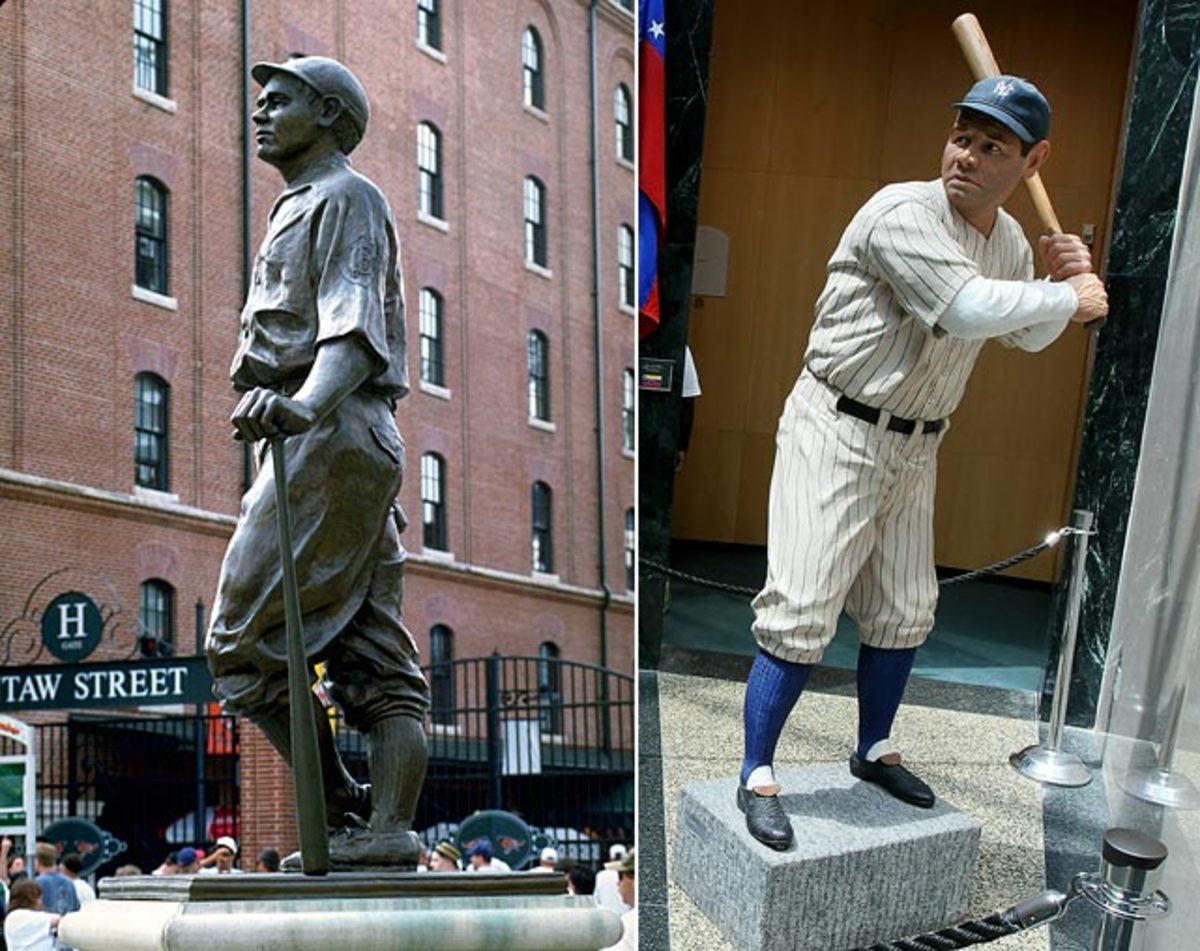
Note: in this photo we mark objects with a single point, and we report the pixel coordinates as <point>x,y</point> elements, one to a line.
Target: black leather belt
<point>897,424</point>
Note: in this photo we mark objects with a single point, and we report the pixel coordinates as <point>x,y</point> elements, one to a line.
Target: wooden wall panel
<point>813,107</point>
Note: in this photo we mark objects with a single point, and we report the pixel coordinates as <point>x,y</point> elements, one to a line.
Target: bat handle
<point>1041,202</point>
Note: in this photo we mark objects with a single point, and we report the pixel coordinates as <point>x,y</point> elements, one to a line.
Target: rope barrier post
<point>1049,763</point>
<point>1125,888</point>
<point>1161,783</point>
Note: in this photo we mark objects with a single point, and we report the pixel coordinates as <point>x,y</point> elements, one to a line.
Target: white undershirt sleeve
<point>986,308</point>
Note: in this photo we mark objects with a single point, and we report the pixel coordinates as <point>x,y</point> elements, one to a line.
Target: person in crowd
<point>483,858</point>
<point>581,880</point>
<point>626,869</point>
<point>268,861</point>
<point>127,871</point>
<point>72,868</point>
<point>189,861</point>
<point>27,925</point>
<point>220,860</point>
<point>58,893</point>
<point>445,857</point>
<point>547,861</point>
<point>608,894</point>
<point>169,865</point>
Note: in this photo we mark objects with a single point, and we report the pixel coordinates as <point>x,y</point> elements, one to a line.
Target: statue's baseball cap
<point>1015,103</point>
<point>328,77</point>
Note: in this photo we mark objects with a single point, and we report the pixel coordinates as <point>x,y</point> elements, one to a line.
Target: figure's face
<point>439,863</point>
<point>224,860</point>
<point>627,887</point>
<point>478,861</point>
<point>17,866</point>
<point>286,119</point>
<point>982,164</point>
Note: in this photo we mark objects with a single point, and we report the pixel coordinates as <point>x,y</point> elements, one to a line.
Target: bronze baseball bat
<point>306,756</point>
<point>983,64</point>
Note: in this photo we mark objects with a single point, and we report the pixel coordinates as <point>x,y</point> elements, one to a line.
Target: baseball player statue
<point>321,360</point>
<point>924,274</point>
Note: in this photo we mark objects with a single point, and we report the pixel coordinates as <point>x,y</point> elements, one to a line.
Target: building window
<point>628,411</point>
<point>538,359</point>
<point>429,23</point>
<point>535,222</point>
<point>531,62</point>
<point>543,535</point>
<point>156,635</point>
<point>433,500</point>
<point>625,265</point>
<point>150,265</point>
<point>441,675</point>
<point>430,305</point>
<point>623,117</point>
<point>550,688</point>
<point>150,414</point>
<point>150,46</point>
<point>429,162</point>
<point>630,550</point>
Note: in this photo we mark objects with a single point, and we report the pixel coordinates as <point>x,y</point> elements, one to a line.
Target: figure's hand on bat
<point>1092,297</point>
<point>264,414</point>
<point>1065,255</point>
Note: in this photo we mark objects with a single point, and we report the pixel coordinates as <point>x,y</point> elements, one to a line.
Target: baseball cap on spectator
<point>549,854</point>
<point>626,863</point>
<point>616,852</point>
<point>228,842</point>
<point>1015,103</point>
<point>187,855</point>
<point>483,847</point>
<point>448,850</point>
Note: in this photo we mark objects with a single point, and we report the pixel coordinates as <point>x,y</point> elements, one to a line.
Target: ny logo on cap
<point>1004,87</point>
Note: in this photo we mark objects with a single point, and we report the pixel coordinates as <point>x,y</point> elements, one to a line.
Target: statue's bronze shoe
<point>350,807</point>
<point>354,850</point>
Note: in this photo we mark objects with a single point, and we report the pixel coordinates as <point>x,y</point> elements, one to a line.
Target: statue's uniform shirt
<point>328,269</point>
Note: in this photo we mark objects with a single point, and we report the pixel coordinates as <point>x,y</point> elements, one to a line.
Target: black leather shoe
<point>895,779</point>
<point>765,819</point>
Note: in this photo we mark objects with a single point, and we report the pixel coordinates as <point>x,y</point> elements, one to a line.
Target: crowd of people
<point>31,905</point>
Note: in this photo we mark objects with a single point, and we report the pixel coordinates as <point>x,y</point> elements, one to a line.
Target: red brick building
<point>122,264</point>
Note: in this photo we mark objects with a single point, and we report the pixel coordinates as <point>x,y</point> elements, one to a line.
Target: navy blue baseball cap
<point>1015,103</point>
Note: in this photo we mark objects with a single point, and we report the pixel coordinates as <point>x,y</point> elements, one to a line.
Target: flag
<point>652,177</point>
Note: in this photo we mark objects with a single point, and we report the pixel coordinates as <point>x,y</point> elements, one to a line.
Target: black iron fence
<point>156,783</point>
<point>548,739</point>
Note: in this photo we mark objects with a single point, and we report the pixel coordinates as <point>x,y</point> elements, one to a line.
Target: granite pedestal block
<point>343,911</point>
<point>864,867</point>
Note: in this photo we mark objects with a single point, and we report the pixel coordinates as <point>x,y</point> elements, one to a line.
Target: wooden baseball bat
<point>983,64</point>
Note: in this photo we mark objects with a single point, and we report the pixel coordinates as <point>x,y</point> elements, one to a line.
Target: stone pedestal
<point>348,912</point>
<point>864,867</point>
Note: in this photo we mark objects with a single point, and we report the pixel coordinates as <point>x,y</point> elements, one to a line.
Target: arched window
<point>535,222</point>
<point>630,551</point>
<point>150,231</point>
<point>550,687</point>
<point>441,674</point>
<point>151,436</point>
<point>429,23</point>
<point>543,528</point>
<point>628,410</point>
<point>150,46</point>
<point>429,165</point>
<point>430,305</point>
<point>433,500</point>
<point>623,121</point>
<point>538,361</point>
<point>625,265</point>
<point>531,67</point>
<point>156,619</point>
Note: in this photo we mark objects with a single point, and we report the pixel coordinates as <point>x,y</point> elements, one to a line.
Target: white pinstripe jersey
<point>899,264</point>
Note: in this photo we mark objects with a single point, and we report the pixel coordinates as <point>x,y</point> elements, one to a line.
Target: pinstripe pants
<point>850,524</point>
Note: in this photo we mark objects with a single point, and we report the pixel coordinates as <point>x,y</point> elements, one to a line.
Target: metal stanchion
<point>1125,888</point>
<point>1049,763</point>
<point>1161,784</point>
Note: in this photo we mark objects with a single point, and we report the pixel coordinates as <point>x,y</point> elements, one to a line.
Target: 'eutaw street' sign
<point>134,683</point>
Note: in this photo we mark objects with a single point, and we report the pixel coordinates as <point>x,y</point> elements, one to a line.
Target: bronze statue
<point>321,361</point>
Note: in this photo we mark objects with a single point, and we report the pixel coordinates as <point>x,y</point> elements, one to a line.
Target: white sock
<point>760,776</point>
<point>882,748</point>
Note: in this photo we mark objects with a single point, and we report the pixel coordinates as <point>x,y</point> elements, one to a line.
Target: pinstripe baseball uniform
<point>850,518</point>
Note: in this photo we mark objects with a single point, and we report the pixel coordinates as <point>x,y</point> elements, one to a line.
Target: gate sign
<point>71,626</point>
<point>510,837</point>
<point>18,774</point>
<point>134,683</point>
<point>92,844</point>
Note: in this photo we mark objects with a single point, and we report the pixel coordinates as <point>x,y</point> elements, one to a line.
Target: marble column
<point>1162,85</point>
<point>689,40</point>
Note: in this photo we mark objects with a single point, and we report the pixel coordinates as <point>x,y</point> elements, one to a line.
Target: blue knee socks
<point>882,677</point>
<point>772,690</point>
